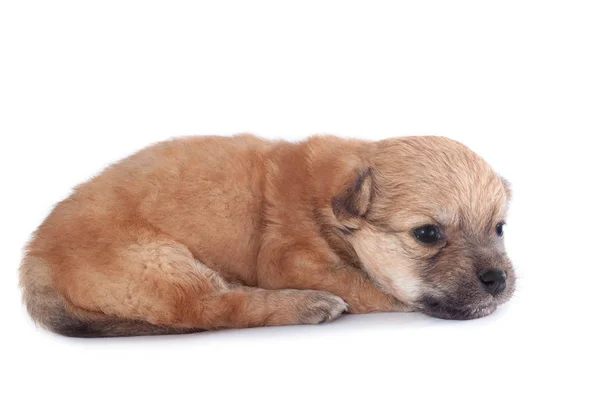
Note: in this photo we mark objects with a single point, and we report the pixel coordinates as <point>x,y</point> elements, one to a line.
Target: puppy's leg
<point>161,283</point>
<point>307,270</point>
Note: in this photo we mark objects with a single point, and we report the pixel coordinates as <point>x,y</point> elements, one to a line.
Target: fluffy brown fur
<point>213,232</point>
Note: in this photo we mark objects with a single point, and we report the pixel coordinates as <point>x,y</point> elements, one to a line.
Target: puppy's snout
<point>494,280</point>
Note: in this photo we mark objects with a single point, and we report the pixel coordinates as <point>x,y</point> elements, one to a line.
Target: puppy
<point>213,232</point>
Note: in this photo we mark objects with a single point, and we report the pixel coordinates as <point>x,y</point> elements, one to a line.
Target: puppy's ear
<point>355,199</point>
<point>507,187</point>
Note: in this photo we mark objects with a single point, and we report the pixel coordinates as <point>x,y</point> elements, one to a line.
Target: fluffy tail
<point>49,309</point>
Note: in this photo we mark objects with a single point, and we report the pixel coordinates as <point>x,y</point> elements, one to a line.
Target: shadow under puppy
<point>228,232</point>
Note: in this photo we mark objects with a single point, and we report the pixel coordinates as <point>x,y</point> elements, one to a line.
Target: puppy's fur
<point>214,232</point>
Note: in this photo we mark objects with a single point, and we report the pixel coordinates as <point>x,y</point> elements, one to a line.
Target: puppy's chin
<point>444,309</point>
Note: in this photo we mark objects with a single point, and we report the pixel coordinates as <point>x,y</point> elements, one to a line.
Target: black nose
<point>493,280</point>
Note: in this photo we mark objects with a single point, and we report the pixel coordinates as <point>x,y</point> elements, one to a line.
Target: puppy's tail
<point>49,309</point>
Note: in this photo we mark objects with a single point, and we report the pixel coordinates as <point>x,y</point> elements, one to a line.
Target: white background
<point>85,83</point>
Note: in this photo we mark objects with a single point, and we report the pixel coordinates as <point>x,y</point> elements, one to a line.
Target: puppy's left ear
<point>354,201</point>
<point>507,187</point>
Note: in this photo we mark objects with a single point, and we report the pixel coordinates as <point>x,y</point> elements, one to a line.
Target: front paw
<point>318,307</point>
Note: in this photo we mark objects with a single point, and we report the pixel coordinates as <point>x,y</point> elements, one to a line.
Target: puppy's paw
<point>320,307</point>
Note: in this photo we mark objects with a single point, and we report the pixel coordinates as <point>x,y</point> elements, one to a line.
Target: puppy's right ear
<point>353,203</point>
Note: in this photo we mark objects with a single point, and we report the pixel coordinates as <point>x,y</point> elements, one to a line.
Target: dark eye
<point>500,229</point>
<point>428,234</point>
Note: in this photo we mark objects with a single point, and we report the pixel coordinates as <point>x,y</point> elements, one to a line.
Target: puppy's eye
<point>500,229</point>
<point>428,234</point>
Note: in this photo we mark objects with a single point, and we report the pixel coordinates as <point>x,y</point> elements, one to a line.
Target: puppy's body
<point>213,232</point>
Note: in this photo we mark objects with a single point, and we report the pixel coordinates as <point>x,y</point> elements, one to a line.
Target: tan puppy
<point>214,232</point>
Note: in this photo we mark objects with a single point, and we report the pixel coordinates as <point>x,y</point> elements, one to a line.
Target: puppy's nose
<point>493,280</point>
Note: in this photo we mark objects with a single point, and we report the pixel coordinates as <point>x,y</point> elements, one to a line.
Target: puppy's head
<point>425,218</point>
